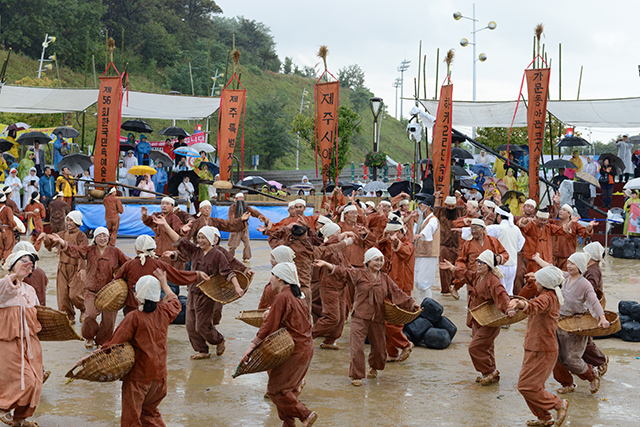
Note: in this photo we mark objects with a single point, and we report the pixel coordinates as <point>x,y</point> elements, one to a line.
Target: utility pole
<point>397,84</point>
<point>304,92</point>
<point>404,66</point>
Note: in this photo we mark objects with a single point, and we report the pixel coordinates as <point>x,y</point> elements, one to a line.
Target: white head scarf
<point>113,190</point>
<point>76,217</point>
<point>488,258</point>
<point>299,202</point>
<point>286,271</point>
<point>169,200</point>
<point>3,198</point>
<point>210,233</point>
<point>490,204</point>
<point>551,277</point>
<point>100,230</point>
<point>403,202</point>
<point>478,222</point>
<point>26,246</point>
<point>292,204</point>
<point>394,225</point>
<point>506,214</point>
<point>324,220</point>
<point>146,246</point>
<point>283,254</point>
<point>580,259</point>
<point>450,200</point>
<point>372,253</point>
<point>567,208</point>
<point>349,208</point>
<point>329,230</point>
<point>13,258</point>
<point>202,205</point>
<point>542,215</point>
<point>147,289</point>
<point>531,202</point>
<point>595,251</point>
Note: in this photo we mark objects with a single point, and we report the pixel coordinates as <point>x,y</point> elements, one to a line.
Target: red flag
<point>538,88</point>
<point>108,132</point>
<point>442,142</point>
<point>327,97</point>
<point>232,109</point>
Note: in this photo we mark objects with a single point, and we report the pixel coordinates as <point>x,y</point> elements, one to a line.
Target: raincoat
<point>142,149</point>
<point>159,179</point>
<point>25,165</point>
<point>57,154</point>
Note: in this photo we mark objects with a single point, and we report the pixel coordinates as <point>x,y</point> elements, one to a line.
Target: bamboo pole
<point>579,83</point>
<point>559,71</point>
<point>435,94</point>
<point>419,56</point>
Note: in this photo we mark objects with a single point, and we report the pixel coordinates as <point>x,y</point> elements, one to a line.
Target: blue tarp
<point>131,220</point>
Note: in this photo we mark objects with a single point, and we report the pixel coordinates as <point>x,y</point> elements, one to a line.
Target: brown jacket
<point>112,207</point>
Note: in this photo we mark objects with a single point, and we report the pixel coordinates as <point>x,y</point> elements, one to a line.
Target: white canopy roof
<point>601,113</point>
<point>36,100</point>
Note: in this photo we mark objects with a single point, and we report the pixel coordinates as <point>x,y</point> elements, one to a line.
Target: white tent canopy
<point>601,113</point>
<point>35,100</point>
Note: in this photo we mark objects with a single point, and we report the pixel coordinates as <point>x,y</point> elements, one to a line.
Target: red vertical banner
<point>538,89</point>
<point>327,96</point>
<point>232,109</point>
<point>108,132</point>
<point>442,142</point>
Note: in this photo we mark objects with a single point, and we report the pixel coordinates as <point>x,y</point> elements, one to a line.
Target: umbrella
<point>423,196</point>
<point>306,186</point>
<point>481,167</point>
<point>142,170</point>
<point>30,137</point>
<point>588,178</point>
<point>457,138</point>
<point>160,156</point>
<point>400,186</point>
<point>500,185</point>
<point>614,160</point>
<point>457,170</point>
<point>635,139</point>
<point>426,161</point>
<point>374,186</point>
<point>77,163</point>
<point>174,131</point>
<point>201,146</point>
<point>277,184</point>
<point>559,164</point>
<point>178,177</point>
<point>633,184</point>
<point>572,141</point>
<point>186,151</point>
<point>137,126</point>
<point>5,145</point>
<point>345,186</point>
<point>253,180</point>
<point>508,194</point>
<point>67,131</point>
<point>512,148</point>
<point>18,126</point>
<point>467,182</point>
<point>126,147</point>
<point>460,153</point>
<point>9,158</point>
<point>213,168</point>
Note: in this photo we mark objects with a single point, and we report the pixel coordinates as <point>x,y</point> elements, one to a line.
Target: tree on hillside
<point>267,130</point>
<point>287,66</point>
<point>351,77</point>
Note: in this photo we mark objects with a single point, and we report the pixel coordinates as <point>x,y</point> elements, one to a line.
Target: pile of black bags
<point>622,247</point>
<point>629,312</point>
<point>431,329</point>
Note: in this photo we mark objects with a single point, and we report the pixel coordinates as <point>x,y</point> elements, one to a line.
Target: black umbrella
<point>345,186</point>
<point>467,183</point>
<point>400,186</point>
<point>159,156</point>
<point>457,170</point>
<point>572,141</point>
<point>5,145</point>
<point>457,138</point>
<point>178,177</point>
<point>67,131</point>
<point>635,139</point>
<point>30,137</point>
<point>559,164</point>
<point>460,153</point>
<point>614,161</point>
<point>507,195</point>
<point>174,131</point>
<point>250,181</point>
<point>77,163</point>
<point>426,161</point>
<point>126,147</point>
<point>137,126</point>
<point>512,148</point>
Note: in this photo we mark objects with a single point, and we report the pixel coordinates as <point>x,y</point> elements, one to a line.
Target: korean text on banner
<point>108,132</point>
<point>327,100</point>
<point>538,88</point>
<point>231,111</point>
<point>442,142</point>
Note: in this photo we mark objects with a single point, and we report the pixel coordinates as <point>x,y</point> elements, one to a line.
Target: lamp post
<point>376,108</point>
<point>47,39</point>
<point>482,57</point>
<point>404,66</point>
<point>397,84</point>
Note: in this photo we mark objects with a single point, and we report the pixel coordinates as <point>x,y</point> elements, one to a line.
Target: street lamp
<point>47,39</point>
<point>376,108</point>
<point>482,57</point>
<point>404,66</point>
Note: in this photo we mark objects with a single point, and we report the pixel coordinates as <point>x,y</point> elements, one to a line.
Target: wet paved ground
<point>433,387</point>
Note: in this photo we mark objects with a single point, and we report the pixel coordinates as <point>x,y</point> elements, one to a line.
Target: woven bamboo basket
<point>106,365</point>
<point>252,317</point>
<point>224,185</point>
<point>602,299</point>
<point>487,314</point>
<point>55,325</point>
<point>586,324</point>
<point>96,194</point>
<point>218,289</point>
<point>113,296</point>
<point>397,316</point>
<point>271,352</point>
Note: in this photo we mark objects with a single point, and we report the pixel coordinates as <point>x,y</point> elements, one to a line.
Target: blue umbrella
<point>481,167</point>
<point>186,151</point>
<point>213,168</point>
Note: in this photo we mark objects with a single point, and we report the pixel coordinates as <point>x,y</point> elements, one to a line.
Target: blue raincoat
<point>143,148</point>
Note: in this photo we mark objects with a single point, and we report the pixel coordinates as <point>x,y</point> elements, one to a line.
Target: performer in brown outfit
<point>372,288</point>
<point>592,354</point>
<point>8,224</point>
<point>112,210</point>
<point>279,254</point>
<point>35,213</point>
<point>58,210</point>
<point>190,230</point>
<point>564,245</point>
<point>71,270</point>
<point>449,239</point>
<point>144,387</point>
<point>377,221</point>
<point>237,210</point>
<point>102,262</point>
<point>485,286</point>
<point>290,312</point>
<point>163,241</point>
<point>541,348</point>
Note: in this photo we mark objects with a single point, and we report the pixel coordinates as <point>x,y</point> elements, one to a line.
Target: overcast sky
<point>377,35</point>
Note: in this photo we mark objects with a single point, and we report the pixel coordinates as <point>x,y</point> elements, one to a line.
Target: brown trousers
<point>446,276</point>
<point>360,329</point>
<point>140,400</point>
<point>70,290</point>
<point>565,378</point>
<point>113,224</point>
<point>91,330</point>
<point>536,368</point>
<point>481,348</point>
<point>234,241</point>
<point>200,322</point>
<point>577,355</point>
<point>284,386</point>
<point>518,283</point>
<point>396,339</point>
<point>8,242</point>
<point>334,311</point>
<point>69,201</point>
<point>592,354</point>
<point>35,242</point>
<point>316,303</point>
